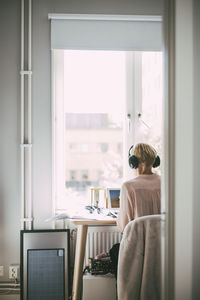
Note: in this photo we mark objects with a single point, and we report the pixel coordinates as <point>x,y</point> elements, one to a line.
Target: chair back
<point>139,265</point>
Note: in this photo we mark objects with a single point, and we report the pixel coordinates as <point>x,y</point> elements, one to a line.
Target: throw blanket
<point>139,267</point>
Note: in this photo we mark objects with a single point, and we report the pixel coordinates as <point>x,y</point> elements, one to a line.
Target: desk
<point>82,227</point>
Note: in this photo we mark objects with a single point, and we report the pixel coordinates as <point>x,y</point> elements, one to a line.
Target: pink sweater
<point>139,197</point>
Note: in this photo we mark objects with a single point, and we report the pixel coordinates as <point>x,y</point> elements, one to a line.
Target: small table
<point>82,227</point>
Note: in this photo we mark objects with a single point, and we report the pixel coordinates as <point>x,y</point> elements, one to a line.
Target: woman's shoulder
<point>141,180</point>
<point>142,177</point>
<point>130,183</point>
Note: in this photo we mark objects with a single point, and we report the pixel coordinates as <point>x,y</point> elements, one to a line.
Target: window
<point>104,101</point>
<point>152,89</point>
<point>150,118</point>
<point>73,147</point>
<point>119,147</point>
<point>72,175</point>
<point>84,148</point>
<point>84,175</point>
<point>104,147</point>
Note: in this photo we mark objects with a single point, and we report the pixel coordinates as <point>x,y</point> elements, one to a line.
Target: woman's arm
<point>126,213</point>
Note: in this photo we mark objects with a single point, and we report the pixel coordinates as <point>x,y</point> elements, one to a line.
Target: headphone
<point>134,162</point>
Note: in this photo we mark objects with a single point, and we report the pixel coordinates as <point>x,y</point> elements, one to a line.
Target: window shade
<point>104,32</point>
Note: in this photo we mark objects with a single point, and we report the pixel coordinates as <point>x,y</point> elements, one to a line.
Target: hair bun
<point>156,162</point>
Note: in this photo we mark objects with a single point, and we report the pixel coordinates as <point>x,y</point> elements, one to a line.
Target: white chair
<point>139,265</point>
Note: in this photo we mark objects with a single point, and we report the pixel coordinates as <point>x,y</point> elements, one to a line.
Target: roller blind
<point>106,32</point>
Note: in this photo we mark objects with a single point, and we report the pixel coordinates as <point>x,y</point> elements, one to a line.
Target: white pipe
<point>30,188</point>
<point>9,284</point>
<point>53,135</point>
<point>22,108</point>
<point>21,73</point>
<point>29,35</point>
<point>22,116</point>
<point>29,75</point>
<point>26,200</point>
<point>29,117</point>
<point>22,34</point>
<point>22,152</point>
<point>22,187</point>
<point>29,158</point>
<point>29,110</point>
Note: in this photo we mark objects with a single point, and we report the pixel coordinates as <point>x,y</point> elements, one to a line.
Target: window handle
<point>129,122</point>
<point>140,119</point>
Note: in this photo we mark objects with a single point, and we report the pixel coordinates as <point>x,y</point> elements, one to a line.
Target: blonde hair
<point>144,153</point>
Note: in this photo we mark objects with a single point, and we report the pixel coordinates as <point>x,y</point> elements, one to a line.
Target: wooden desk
<point>82,227</point>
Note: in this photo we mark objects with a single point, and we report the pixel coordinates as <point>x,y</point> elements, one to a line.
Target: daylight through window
<point>91,129</point>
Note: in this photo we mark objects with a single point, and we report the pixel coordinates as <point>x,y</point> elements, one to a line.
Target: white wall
<point>10,107</point>
<point>187,156</point>
<point>184,162</point>
<point>9,133</point>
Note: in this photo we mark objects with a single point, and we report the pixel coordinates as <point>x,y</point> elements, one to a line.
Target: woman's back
<point>145,192</point>
<point>140,196</point>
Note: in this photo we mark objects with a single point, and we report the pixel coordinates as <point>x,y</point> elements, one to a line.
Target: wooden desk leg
<point>79,259</point>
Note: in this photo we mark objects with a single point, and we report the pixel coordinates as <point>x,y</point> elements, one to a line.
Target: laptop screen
<point>113,198</point>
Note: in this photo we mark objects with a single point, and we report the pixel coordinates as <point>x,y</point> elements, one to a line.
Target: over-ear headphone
<point>156,162</point>
<point>134,162</point>
<point>132,159</point>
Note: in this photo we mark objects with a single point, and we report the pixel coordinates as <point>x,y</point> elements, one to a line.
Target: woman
<point>140,196</point>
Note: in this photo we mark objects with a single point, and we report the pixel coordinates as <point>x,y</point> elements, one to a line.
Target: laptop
<point>113,196</point>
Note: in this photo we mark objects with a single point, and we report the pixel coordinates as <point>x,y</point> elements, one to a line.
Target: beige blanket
<point>139,267</point>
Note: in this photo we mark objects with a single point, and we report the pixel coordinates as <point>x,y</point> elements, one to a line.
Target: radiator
<point>100,239</point>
